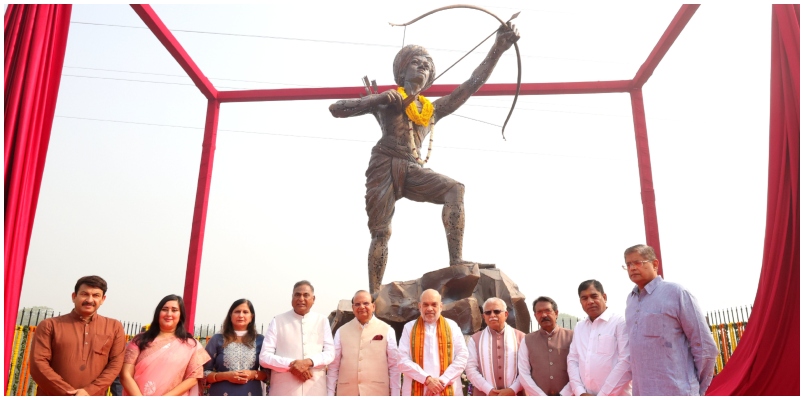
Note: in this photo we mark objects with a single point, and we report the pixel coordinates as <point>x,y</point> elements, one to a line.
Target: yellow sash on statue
<point>444,336</point>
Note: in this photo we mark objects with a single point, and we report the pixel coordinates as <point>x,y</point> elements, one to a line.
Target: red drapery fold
<point>35,40</point>
<point>766,362</point>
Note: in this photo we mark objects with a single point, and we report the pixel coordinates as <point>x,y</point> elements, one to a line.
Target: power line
<point>489,123</point>
<point>328,138</point>
<point>219,130</point>
<point>127,80</point>
<point>185,76</point>
<point>143,81</point>
<point>331,41</point>
<point>245,35</point>
<point>252,81</point>
<point>549,111</point>
<point>457,115</point>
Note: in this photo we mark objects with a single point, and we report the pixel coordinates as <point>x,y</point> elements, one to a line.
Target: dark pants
<point>117,388</point>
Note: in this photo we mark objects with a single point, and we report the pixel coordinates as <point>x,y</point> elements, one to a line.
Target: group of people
<point>662,346</point>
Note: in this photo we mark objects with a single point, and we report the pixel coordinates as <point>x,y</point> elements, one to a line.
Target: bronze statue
<point>395,169</point>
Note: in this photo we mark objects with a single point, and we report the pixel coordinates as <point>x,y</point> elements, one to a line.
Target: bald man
<point>432,350</point>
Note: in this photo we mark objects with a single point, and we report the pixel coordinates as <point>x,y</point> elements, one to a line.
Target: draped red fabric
<point>766,361</point>
<point>35,38</point>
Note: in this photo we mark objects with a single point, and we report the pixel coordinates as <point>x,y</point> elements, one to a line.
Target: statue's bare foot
<point>480,265</point>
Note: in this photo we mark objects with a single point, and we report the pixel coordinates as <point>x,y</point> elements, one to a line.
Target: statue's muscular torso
<point>395,129</point>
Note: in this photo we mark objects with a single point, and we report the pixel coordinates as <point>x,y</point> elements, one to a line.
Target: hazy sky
<point>554,205</point>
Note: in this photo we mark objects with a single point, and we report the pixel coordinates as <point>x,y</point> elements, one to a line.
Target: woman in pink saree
<point>165,360</point>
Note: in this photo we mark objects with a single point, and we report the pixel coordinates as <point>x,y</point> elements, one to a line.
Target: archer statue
<point>396,169</point>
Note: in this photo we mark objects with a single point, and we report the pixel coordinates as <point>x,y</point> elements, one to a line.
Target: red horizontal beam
<point>670,35</point>
<point>489,89</point>
<point>172,45</point>
<point>528,89</point>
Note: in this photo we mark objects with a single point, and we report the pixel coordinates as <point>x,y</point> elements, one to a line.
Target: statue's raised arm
<point>507,35</point>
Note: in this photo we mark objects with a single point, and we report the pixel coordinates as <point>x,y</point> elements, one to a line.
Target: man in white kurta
<point>429,373</point>
<point>598,362</point>
<point>492,367</point>
<point>298,347</point>
<point>366,358</point>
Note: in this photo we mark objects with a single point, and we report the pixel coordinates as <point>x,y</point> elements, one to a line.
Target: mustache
<point>88,303</point>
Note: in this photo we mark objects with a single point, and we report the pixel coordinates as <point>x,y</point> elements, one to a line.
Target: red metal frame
<point>215,97</point>
<point>670,34</point>
<point>489,89</point>
<point>172,45</point>
<point>645,175</point>
<point>200,211</point>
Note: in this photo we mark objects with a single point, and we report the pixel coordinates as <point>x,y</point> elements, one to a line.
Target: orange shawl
<point>444,336</point>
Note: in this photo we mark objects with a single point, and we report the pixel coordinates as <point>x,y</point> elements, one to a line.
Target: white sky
<point>554,205</point>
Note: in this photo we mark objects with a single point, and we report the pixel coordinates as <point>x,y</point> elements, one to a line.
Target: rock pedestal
<point>494,283</point>
<point>341,315</point>
<point>463,290</point>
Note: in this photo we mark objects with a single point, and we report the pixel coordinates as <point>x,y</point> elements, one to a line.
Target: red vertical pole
<point>200,212</point>
<point>645,175</point>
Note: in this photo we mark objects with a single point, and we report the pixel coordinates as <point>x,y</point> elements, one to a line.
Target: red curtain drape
<point>35,40</point>
<point>766,361</point>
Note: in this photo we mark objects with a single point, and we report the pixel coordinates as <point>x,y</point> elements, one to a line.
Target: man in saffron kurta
<point>298,347</point>
<point>432,351</point>
<point>395,168</point>
<point>78,354</point>
<point>542,357</point>
<point>366,358</point>
<point>492,366</point>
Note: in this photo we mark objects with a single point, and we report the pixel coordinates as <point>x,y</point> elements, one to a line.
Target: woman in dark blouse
<point>234,369</point>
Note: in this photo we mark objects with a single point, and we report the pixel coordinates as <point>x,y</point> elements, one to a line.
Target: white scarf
<point>484,351</point>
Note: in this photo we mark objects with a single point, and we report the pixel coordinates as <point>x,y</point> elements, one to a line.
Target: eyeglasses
<point>634,263</point>
<point>496,312</point>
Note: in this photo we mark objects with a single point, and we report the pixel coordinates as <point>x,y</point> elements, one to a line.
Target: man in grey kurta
<point>542,355</point>
<point>672,349</point>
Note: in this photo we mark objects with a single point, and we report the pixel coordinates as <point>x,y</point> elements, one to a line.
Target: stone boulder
<point>463,290</point>
<point>341,315</point>
<point>494,283</point>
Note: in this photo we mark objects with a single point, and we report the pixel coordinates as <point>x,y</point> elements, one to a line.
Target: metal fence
<point>727,328</point>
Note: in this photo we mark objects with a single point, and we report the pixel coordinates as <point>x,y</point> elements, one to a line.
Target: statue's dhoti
<point>392,175</point>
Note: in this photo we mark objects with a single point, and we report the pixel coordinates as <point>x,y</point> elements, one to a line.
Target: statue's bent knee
<point>455,194</point>
<point>384,233</point>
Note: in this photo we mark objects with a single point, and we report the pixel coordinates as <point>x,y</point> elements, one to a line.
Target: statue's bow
<point>516,47</point>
